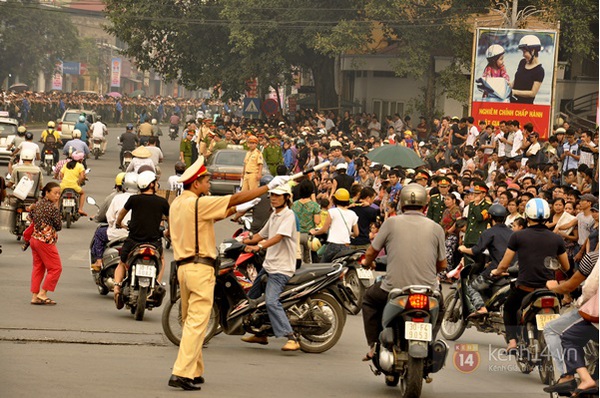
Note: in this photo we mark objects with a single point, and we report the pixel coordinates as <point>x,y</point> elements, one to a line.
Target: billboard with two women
<point>513,77</point>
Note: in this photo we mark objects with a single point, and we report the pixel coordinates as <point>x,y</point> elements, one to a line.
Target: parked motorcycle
<point>311,299</point>
<point>48,160</point>
<point>140,289</point>
<point>173,132</point>
<point>96,147</point>
<point>406,353</point>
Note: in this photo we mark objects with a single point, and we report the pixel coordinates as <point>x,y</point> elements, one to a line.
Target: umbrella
<point>137,92</point>
<point>396,155</point>
<point>114,94</point>
<point>18,87</point>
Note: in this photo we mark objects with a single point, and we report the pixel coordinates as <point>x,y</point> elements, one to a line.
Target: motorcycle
<point>311,299</point>
<point>356,280</point>
<point>96,147</point>
<point>173,132</point>
<point>406,353</point>
<point>48,161</point>
<point>69,206</point>
<point>104,279</point>
<point>21,217</point>
<point>140,289</point>
<point>127,158</point>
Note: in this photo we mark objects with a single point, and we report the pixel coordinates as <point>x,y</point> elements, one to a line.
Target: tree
<point>33,38</point>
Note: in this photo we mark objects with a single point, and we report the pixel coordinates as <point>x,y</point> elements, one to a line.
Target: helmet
<point>300,142</point>
<point>130,182</point>
<point>129,126</point>
<point>497,210</point>
<point>179,167</point>
<point>342,195</point>
<point>119,179</point>
<point>413,195</point>
<point>314,243</point>
<point>51,125</point>
<point>82,118</point>
<point>494,51</point>
<point>537,209</point>
<point>77,155</point>
<point>145,178</point>
<point>154,121</point>
<point>530,42</point>
<point>22,130</point>
<point>98,118</point>
<point>76,133</point>
<point>265,180</point>
<point>28,136</point>
<point>28,154</point>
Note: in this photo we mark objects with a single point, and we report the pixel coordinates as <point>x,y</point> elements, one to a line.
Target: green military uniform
<point>477,217</point>
<point>219,145</point>
<point>436,208</point>
<point>273,156</point>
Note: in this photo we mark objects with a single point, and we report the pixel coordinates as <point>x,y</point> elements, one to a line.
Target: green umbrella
<point>396,155</point>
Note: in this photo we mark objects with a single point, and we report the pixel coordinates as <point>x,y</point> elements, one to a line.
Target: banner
<point>71,68</point>
<point>115,72</point>
<point>57,78</point>
<point>513,77</point>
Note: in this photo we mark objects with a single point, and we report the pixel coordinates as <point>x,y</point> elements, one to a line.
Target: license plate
<point>543,319</point>
<point>364,273</point>
<point>145,270</point>
<point>68,202</point>
<point>49,157</point>
<point>418,331</point>
<point>24,216</point>
<point>96,146</point>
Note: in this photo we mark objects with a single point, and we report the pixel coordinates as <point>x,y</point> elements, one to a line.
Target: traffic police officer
<point>194,250</point>
<point>273,155</point>
<point>253,164</point>
<point>478,217</point>
<point>436,203</point>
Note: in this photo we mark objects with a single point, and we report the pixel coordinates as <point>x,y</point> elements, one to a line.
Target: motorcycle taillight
<point>418,320</point>
<point>147,253</point>
<point>548,302</point>
<point>418,301</point>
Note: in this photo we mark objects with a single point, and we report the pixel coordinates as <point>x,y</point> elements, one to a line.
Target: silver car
<point>226,166</point>
<point>8,132</point>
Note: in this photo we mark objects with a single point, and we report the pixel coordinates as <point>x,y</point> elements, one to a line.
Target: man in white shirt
<point>99,131</point>
<point>587,148</point>
<point>517,140</point>
<point>472,132</point>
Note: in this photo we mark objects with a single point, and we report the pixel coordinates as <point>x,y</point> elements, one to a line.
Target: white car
<point>66,124</point>
<point>8,132</point>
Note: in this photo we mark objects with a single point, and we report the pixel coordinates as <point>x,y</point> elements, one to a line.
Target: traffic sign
<point>251,107</point>
<point>270,107</point>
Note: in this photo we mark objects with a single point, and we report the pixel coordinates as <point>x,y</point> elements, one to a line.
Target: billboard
<point>57,78</point>
<point>513,77</point>
<point>115,72</point>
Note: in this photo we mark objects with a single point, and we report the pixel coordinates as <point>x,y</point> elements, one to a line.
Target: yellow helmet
<point>22,129</point>
<point>342,195</point>
<point>314,243</point>
<point>51,125</point>
<point>119,179</point>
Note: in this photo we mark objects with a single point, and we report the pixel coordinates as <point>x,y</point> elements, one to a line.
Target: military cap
<point>480,186</point>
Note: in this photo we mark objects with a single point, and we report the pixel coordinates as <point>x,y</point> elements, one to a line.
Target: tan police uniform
<point>252,163</point>
<point>196,275</point>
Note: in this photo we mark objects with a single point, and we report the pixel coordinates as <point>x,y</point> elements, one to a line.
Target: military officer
<point>478,217</point>
<point>436,203</point>
<point>422,178</point>
<point>273,154</point>
<point>253,164</point>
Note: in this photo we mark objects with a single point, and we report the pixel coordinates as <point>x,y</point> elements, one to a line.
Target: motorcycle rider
<point>147,211</point>
<point>416,250</point>
<point>280,238</point>
<point>129,141</point>
<point>99,132</point>
<point>50,137</point>
<point>28,144</point>
<point>82,126</point>
<point>495,240</point>
<point>72,175</point>
<point>533,245</point>
<point>76,144</point>
<point>20,137</point>
<point>156,131</point>
<point>27,168</point>
<point>141,157</point>
<point>194,249</point>
<point>145,131</point>
<point>174,121</point>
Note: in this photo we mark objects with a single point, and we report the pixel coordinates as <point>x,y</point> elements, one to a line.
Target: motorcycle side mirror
<point>87,171</point>
<point>91,201</point>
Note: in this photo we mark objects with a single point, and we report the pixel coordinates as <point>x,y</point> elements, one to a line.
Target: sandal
<point>368,357</point>
<point>46,301</point>
<point>37,301</point>
<point>578,392</point>
<point>119,300</point>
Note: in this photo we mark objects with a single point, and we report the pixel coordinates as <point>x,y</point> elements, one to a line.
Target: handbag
<point>589,310</point>
<point>23,187</point>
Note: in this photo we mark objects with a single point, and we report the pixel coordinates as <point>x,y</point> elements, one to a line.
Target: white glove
<point>247,205</point>
<point>241,182</point>
<point>278,181</point>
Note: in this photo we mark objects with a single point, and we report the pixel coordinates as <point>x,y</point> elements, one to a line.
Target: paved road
<point>84,347</point>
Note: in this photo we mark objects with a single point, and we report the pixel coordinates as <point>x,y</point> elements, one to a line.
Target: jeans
<point>553,332</point>
<point>275,285</point>
<point>511,306</point>
<point>573,340</point>
<point>331,250</point>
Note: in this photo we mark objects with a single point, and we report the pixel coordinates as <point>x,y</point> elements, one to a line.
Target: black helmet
<point>179,167</point>
<point>497,211</point>
<point>28,136</point>
<point>265,180</point>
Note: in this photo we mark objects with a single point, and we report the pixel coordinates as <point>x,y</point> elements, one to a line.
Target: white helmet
<point>493,51</point>
<point>537,209</point>
<point>145,178</point>
<point>28,154</point>
<point>530,42</point>
<point>154,121</point>
<point>76,133</point>
<point>130,182</point>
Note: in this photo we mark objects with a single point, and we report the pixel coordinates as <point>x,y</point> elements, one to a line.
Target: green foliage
<point>33,38</point>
